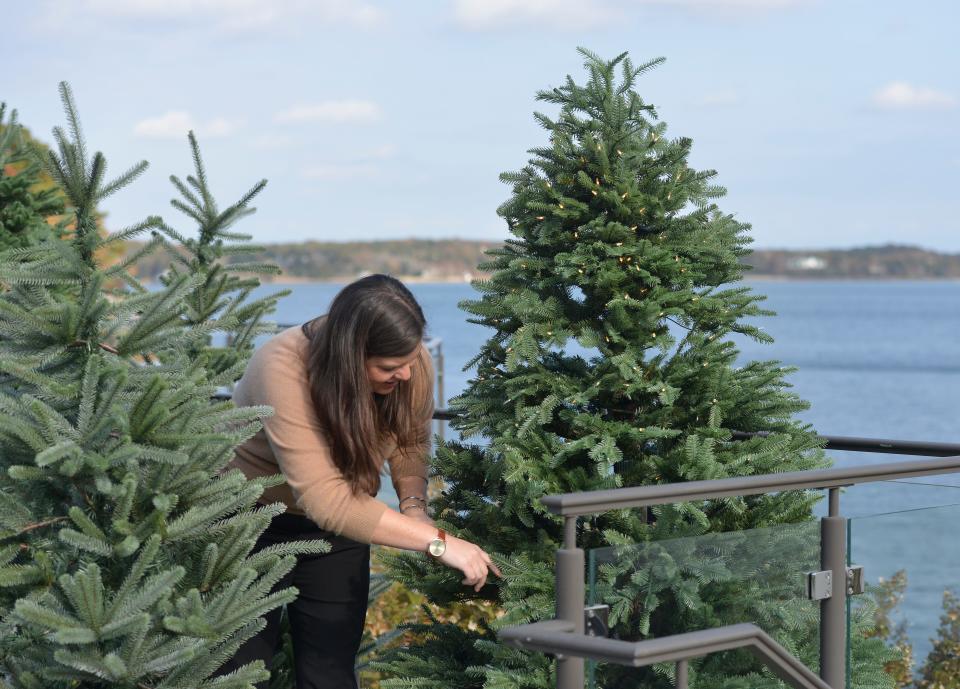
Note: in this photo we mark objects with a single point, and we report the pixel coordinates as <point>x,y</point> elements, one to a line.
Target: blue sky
<point>832,123</point>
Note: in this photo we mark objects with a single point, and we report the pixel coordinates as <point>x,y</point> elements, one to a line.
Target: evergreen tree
<point>220,299</point>
<point>941,670</point>
<point>887,595</point>
<point>124,545</point>
<point>611,364</point>
<point>25,205</point>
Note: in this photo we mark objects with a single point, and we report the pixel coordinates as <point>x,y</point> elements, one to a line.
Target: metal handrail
<point>554,636</point>
<point>873,445</point>
<point>594,502</point>
<point>840,443</point>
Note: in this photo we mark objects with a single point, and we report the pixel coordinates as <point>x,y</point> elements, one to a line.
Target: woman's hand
<point>413,530</point>
<point>470,559</point>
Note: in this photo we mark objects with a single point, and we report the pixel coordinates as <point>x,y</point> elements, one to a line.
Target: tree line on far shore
<point>441,260</point>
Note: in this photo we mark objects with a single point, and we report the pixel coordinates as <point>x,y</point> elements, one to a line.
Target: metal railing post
<point>683,674</point>
<point>833,610</point>
<point>442,425</point>
<point>570,596</point>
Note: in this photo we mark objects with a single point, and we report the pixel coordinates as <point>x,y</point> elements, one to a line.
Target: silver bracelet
<point>415,507</point>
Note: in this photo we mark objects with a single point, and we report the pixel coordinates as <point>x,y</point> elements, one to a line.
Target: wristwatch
<point>438,546</point>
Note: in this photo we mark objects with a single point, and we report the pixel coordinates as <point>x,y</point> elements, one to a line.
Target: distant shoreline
<point>413,279</point>
<point>451,280</point>
<point>459,261</point>
<point>766,277</point>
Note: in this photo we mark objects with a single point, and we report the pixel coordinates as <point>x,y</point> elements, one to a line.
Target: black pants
<point>326,619</point>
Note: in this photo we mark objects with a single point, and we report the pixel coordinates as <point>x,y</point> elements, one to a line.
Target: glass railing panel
<point>687,584</point>
<point>911,560</point>
<point>896,496</point>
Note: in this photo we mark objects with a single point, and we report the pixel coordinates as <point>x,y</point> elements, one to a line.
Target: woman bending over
<point>350,390</point>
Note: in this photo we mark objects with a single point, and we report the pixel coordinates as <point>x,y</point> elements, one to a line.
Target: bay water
<point>874,359</point>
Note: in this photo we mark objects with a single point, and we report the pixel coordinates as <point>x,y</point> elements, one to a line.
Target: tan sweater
<point>292,441</point>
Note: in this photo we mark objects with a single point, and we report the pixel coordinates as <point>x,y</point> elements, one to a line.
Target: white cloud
<point>730,5</point>
<point>478,15</point>
<point>720,99</point>
<point>218,126</point>
<point>172,125</point>
<point>176,123</point>
<point>363,165</point>
<point>899,95</point>
<point>271,141</point>
<point>336,112</point>
<point>341,171</point>
<point>380,152</point>
<point>229,14</point>
<point>565,14</point>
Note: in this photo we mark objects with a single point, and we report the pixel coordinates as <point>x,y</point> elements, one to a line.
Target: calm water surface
<point>875,359</point>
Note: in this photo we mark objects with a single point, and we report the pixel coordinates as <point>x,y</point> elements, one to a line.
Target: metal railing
<point>555,636</point>
<point>565,636</point>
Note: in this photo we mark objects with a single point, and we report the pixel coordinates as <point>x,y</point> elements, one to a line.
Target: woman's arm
<point>276,377</point>
<point>408,466</point>
<point>399,531</point>
<point>412,497</point>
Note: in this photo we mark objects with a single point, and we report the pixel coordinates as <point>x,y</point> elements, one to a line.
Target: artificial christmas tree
<point>25,203</point>
<point>611,364</point>
<point>220,300</point>
<point>125,553</point>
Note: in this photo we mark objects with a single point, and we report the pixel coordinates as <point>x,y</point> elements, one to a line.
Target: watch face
<point>437,547</point>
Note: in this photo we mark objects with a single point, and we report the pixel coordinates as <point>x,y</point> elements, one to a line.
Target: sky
<point>832,123</point>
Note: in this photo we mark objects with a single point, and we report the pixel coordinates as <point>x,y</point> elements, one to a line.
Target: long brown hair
<point>375,316</point>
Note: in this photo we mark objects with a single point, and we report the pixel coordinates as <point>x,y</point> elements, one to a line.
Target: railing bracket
<point>596,620</point>
<point>819,585</point>
<point>856,582</point>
